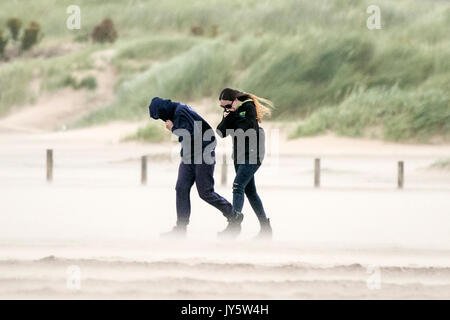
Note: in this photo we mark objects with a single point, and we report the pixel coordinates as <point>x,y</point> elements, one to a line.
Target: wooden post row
<point>400,170</point>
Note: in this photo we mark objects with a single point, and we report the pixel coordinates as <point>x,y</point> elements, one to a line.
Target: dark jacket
<point>184,117</point>
<point>248,136</point>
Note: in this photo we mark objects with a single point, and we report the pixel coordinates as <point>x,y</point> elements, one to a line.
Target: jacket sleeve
<point>181,122</point>
<point>246,118</point>
<point>226,123</point>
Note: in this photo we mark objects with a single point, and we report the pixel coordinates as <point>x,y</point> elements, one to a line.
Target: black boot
<point>266,230</point>
<point>179,231</point>
<point>234,226</point>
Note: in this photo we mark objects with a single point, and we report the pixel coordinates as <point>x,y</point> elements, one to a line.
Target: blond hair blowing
<point>263,106</point>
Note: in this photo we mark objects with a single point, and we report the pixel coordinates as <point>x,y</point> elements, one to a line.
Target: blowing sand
<point>212,270</point>
<point>355,237</point>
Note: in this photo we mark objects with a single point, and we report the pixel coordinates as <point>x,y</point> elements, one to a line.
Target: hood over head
<point>162,109</point>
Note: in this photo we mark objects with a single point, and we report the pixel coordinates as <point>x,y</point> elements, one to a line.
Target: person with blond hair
<point>241,117</point>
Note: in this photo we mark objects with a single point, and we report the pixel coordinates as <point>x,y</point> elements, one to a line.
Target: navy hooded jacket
<point>184,117</point>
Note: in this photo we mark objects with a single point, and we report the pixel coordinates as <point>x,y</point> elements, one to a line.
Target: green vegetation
<point>138,55</point>
<point>89,83</point>
<point>14,25</point>
<point>3,43</point>
<point>31,36</point>
<point>441,165</point>
<point>16,76</point>
<point>56,72</point>
<point>104,32</point>
<point>82,37</point>
<point>392,113</point>
<point>205,68</point>
<point>316,60</point>
<point>14,80</point>
<point>70,81</point>
<point>158,47</point>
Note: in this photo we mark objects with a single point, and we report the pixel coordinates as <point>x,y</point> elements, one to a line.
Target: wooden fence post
<point>224,170</point>
<point>49,165</point>
<point>317,172</point>
<point>144,170</point>
<point>400,174</point>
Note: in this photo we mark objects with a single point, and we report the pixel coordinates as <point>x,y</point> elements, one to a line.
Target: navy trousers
<point>202,175</point>
<point>244,183</point>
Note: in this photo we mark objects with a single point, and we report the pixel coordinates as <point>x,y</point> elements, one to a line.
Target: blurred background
<point>318,62</point>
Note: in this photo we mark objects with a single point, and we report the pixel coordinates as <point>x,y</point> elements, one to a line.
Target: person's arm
<point>181,122</point>
<point>246,117</point>
<point>226,123</point>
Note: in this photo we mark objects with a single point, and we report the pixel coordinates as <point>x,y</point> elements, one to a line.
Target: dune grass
<point>392,114</point>
<point>14,81</point>
<point>313,59</point>
<point>156,47</point>
<point>52,73</point>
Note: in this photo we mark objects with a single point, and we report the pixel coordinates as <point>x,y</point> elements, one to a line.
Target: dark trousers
<point>244,182</point>
<point>202,175</point>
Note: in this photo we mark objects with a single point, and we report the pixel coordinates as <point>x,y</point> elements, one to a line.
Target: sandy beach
<point>354,100</point>
<point>355,237</point>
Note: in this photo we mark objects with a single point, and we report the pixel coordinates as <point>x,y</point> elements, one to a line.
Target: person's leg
<point>255,200</point>
<point>257,206</point>
<point>204,180</point>
<point>186,178</point>
<point>244,173</point>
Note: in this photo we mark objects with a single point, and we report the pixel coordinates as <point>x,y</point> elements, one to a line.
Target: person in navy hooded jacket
<point>197,160</point>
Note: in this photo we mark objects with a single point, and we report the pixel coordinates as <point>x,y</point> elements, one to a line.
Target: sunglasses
<point>228,106</point>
